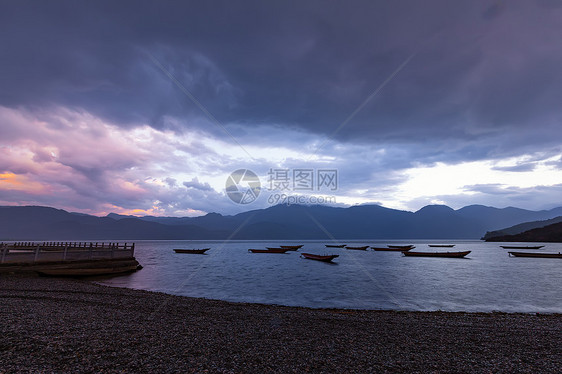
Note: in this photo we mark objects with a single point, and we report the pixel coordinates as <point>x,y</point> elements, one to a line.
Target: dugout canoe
<point>390,249</point>
<point>324,258</point>
<point>536,255</point>
<point>436,254</point>
<point>357,248</point>
<point>274,250</point>
<point>521,247</point>
<point>193,251</point>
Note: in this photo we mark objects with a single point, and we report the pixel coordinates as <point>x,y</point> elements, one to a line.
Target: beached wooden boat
<point>409,246</point>
<point>357,248</point>
<point>436,254</point>
<point>193,251</point>
<point>275,250</point>
<point>535,254</point>
<point>335,245</point>
<point>83,272</point>
<point>390,249</point>
<point>441,245</point>
<point>521,246</point>
<point>291,247</point>
<point>325,258</point>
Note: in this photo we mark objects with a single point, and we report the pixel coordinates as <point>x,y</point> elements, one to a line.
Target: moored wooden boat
<point>409,246</point>
<point>535,254</point>
<point>193,251</point>
<point>83,272</point>
<point>436,254</point>
<point>291,247</point>
<point>357,248</point>
<point>441,245</point>
<point>521,246</point>
<point>275,250</point>
<point>335,245</point>
<point>390,249</point>
<point>324,258</point>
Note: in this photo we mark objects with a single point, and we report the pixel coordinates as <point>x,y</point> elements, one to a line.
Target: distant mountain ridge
<point>548,234</point>
<point>522,227</point>
<point>278,222</point>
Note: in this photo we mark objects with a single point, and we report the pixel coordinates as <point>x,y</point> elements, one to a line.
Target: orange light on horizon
<point>12,181</point>
<point>154,211</point>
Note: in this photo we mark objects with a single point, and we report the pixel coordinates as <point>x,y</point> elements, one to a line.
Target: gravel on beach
<point>65,325</point>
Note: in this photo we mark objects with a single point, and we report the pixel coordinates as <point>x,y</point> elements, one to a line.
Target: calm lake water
<point>487,280</point>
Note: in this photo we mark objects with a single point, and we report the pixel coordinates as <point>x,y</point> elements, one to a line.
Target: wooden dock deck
<point>36,256</point>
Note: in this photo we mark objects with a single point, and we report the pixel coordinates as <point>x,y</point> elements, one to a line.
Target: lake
<point>486,280</point>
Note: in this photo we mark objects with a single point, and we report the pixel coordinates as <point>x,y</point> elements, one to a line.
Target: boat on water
<point>436,254</point>
<point>357,248</point>
<point>324,258</point>
<point>287,247</point>
<point>441,245</point>
<point>335,245</point>
<point>535,254</point>
<point>193,251</point>
<point>291,247</point>
<point>390,249</point>
<point>274,250</point>
<point>521,246</point>
<point>409,246</point>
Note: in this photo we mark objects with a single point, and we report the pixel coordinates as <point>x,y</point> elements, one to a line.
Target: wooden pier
<point>33,256</point>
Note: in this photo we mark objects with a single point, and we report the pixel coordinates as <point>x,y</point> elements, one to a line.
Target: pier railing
<point>34,252</point>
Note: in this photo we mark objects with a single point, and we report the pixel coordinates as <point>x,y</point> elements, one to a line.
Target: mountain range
<point>550,233</point>
<point>276,222</point>
<point>520,228</point>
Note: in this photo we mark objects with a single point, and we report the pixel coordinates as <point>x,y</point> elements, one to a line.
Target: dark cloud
<point>435,81</point>
<point>522,167</point>
<point>478,68</point>
<point>195,184</point>
<point>491,189</point>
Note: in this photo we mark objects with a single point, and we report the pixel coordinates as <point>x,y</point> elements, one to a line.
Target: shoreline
<point>493,312</point>
<point>61,325</point>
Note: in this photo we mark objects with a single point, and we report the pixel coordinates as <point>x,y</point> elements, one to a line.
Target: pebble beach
<point>56,325</point>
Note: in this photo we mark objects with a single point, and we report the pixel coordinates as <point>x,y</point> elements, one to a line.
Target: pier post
<point>36,254</point>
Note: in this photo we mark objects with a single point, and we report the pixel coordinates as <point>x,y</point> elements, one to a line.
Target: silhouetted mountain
<point>551,233</point>
<point>43,223</point>
<point>522,227</point>
<point>276,222</point>
<point>491,217</point>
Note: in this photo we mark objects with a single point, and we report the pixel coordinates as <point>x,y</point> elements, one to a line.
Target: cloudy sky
<point>147,107</point>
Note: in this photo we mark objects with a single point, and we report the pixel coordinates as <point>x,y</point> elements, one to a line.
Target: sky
<point>146,108</point>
